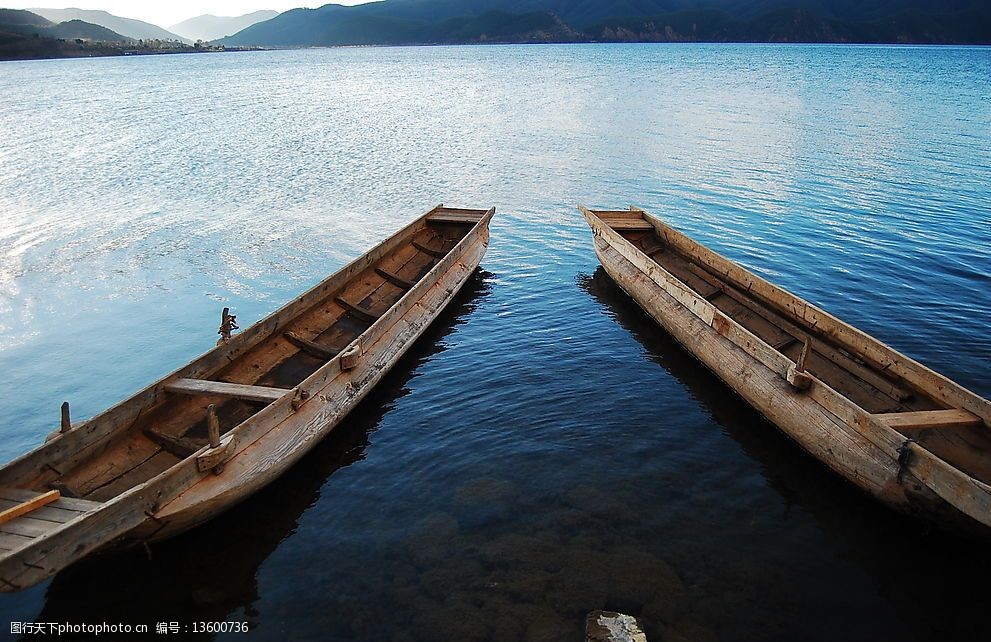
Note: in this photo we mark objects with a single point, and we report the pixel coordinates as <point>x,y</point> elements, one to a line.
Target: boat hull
<point>840,445</point>
<point>252,453</point>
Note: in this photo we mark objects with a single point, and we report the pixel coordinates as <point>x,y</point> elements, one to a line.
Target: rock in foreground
<point>606,626</point>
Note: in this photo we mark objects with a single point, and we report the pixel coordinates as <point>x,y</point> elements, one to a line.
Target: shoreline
<point>113,52</point>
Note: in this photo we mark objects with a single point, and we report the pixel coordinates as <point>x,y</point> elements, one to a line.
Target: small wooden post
<point>797,377</point>
<point>213,433</point>
<point>805,355</point>
<point>213,426</point>
<point>66,422</point>
<point>228,323</point>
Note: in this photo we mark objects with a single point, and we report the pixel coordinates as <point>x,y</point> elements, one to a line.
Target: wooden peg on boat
<point>66,422</point>
<point>350,357</point>
<point>213,426</point>
<point>797,376</point>
<point>228,323</point>
<point>221,448</point>
<point>219,452</point>
<point>299,396</point>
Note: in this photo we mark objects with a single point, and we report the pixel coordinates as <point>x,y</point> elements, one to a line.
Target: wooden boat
<point>219,429</point>
<point>909,436</point>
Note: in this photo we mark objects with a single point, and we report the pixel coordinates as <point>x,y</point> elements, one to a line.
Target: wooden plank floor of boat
<point>20,531</point>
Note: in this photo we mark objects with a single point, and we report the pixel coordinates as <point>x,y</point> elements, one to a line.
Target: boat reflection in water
<point>210,573</point>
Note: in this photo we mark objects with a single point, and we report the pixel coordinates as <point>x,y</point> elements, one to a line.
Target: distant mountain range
<point>27,23</point>
<point>477,21</point>
<point>128,27</point>
<point>209,27</point>
<point>25,35</point>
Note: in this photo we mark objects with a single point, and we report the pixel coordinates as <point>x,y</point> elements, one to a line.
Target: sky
<point>165,13</point>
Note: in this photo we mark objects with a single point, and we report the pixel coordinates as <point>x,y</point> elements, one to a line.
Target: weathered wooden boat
<point>907,435</point>
<point>219,429</point>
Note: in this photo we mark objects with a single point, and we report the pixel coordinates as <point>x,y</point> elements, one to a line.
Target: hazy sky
<point>169,12</point>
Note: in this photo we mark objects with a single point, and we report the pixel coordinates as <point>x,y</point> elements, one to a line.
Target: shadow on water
<point>911,564</point>
<point>209,574</point>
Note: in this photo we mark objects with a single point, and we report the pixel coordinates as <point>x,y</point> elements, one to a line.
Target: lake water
<point>545,450</point>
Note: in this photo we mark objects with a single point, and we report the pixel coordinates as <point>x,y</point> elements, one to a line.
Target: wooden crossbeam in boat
<point>712,294</point>
<point>363,315</point>
<point>628,224</point>
<point>437,254</point>
<point>653,250</point>
<point>312,348</point>
<point>236,390</point>
<point>28,505</point>
<point>397,281</point>
<point>181,447</point>
<point>785,343</point>
<point>455,218</point>
<point>923,419</point>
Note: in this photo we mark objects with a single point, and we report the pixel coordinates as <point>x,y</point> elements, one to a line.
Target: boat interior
<point>959,437</point>
<point>177,425</point>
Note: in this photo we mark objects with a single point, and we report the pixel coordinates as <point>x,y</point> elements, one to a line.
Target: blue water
<point>545,450</point>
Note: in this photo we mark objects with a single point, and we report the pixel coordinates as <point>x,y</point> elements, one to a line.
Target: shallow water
<point>545,450</point>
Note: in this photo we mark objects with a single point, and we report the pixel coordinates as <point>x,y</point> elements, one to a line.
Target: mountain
<point>72,29</point>
<point>209,27</point>
<point>18,18</point>
<point>125,26</point>
<point>27,23</point>
<point>470,21</point>
<point>25,36</point>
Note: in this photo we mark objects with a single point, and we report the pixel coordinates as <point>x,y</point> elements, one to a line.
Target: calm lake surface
<point>545,449</point>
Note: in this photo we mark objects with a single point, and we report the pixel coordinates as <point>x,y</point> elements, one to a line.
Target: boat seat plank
<point>925,419</point>
<point>453,217</point>
<point>606,214</point>
<point>220,388</point>
<point>628,224</point>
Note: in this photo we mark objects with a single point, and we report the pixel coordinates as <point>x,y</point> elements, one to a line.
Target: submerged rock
<point>606,626</point>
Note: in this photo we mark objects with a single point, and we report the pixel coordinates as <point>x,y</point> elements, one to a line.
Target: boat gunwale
<point>969,495</point>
